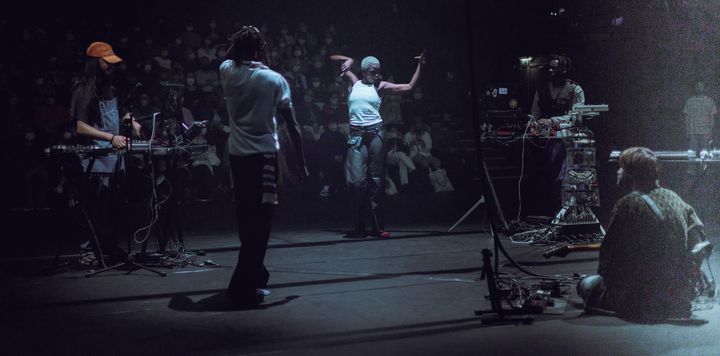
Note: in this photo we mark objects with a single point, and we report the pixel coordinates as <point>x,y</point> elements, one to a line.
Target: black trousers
<point>254,223</point>
<point>365,175</point>
<point>105,203</point>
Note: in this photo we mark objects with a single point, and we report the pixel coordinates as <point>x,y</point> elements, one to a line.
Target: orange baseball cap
<point>104,51</point>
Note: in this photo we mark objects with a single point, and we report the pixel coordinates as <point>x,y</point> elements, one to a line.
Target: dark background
<point>640,57</point>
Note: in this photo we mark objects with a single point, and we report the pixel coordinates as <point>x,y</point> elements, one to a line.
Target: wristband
<point>111,139</point>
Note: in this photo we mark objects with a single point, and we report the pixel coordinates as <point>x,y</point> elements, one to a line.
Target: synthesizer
<point>688,156</point>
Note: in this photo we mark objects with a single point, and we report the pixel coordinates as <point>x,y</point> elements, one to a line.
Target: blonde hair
<point>368,61</point>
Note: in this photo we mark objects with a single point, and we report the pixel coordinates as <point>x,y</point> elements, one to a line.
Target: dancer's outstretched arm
<point>402,88</point>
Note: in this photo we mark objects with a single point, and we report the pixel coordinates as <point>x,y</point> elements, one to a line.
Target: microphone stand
<point>488,272</point>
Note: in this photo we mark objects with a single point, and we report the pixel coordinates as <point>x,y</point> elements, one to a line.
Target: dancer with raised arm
<point>366,157</point>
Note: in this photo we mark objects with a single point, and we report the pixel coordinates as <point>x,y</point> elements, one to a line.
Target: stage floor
<point>413,294</point>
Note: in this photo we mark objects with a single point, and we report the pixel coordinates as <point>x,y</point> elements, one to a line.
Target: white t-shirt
<point>700,111</point>
<point>253,93</point>
<point>364,105</point>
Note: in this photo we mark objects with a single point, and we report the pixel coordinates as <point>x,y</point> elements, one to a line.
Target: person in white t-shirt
<point>366,158</point>
<point>255,96</point>
<point>700,111</point>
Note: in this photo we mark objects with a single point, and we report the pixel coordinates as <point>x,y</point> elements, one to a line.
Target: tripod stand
<point>493,194</point>
<point>467,213</point>
<point>128,262</point>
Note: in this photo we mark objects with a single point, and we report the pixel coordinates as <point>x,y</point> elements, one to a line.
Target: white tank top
<point>364,105</point>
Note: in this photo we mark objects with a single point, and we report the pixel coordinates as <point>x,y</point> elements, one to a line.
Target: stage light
<point>525,60</point>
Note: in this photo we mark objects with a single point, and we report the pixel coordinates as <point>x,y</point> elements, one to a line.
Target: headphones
<point>564,63</point>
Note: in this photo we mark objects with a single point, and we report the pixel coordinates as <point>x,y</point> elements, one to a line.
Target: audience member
<point>190,56</point>
<point>332,146</point>
<point>419,142</point>
<point>397,157</point>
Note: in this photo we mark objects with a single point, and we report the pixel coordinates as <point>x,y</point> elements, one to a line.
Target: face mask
<point>297,53</point>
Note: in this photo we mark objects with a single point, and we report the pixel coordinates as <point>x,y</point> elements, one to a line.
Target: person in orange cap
<point>94,102</point>
<point>95,109</point>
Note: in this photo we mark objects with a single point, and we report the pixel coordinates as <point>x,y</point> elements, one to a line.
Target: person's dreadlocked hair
<point>248,44</point>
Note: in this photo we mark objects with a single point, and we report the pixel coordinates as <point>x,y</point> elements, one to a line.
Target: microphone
<point>168,84</point>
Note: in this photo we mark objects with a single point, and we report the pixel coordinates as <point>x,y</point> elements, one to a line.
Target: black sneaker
<point>247,300</point>
<point>355,235</point>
